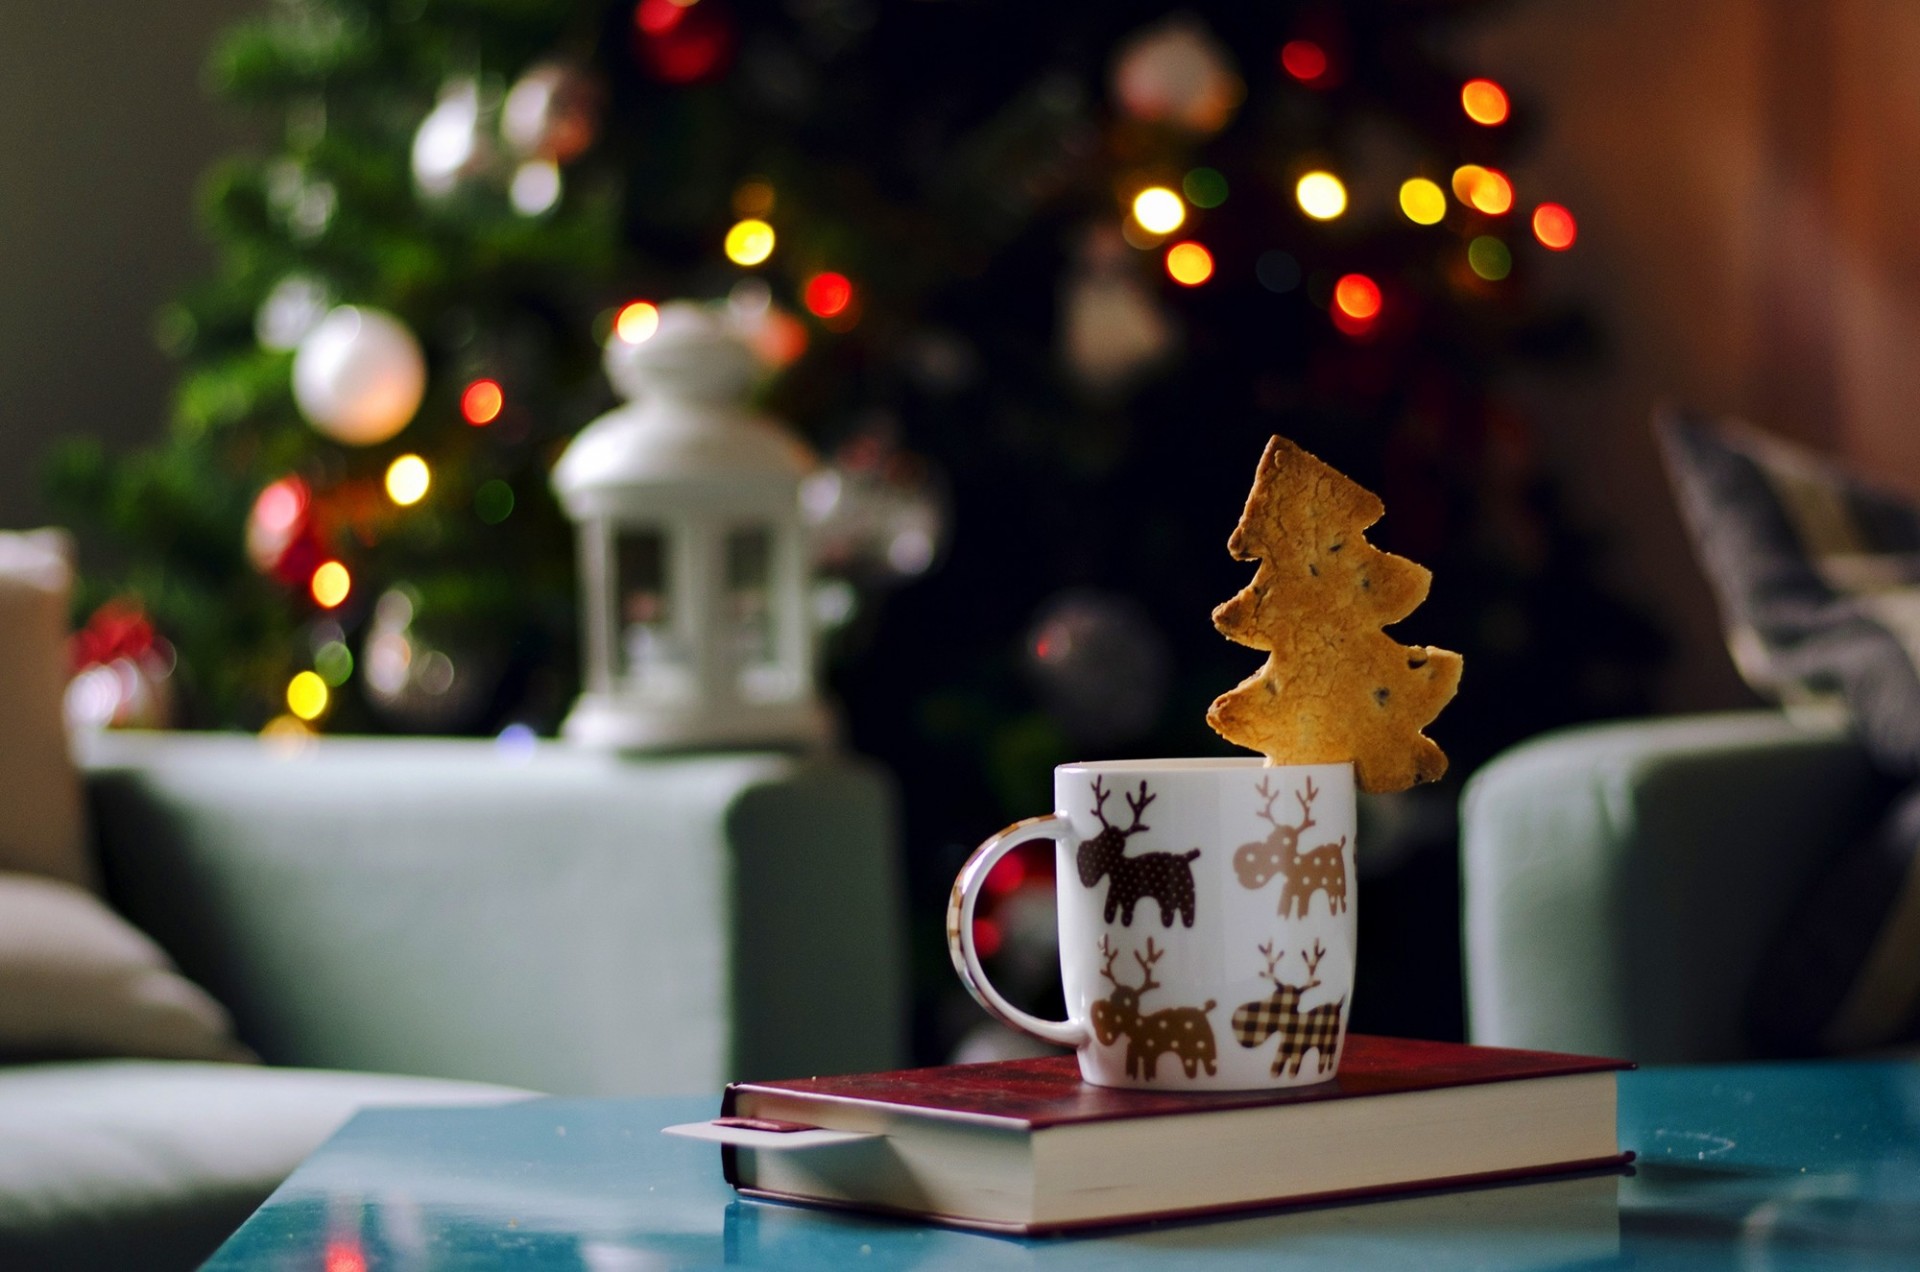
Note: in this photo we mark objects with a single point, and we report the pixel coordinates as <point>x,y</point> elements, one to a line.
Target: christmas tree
<point>1056,270</point>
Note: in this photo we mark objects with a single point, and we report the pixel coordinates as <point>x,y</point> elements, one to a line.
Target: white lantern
<point>693,566</point>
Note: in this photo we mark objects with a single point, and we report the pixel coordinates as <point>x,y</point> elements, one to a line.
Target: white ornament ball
<point>359,375</point>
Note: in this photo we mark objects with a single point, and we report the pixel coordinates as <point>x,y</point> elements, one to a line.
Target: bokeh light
<point>1489,258</point>
<point>749,242</point>
<point>1304,60</point>
<point>407,480</point>
<point>828,294</point>
<point>482,400</point>
<point>1189,264</point>
<point>330,584</point>
<point>493,502</point>
<point>1465,178</point>
<point>1492,193</point>
<point>1277,271</point>
<point>1485,102</point>
<point>1358,297</point>
<point>1159,210</point>
<point>753,198</point>
<point>1204,188</point>
<point>1424,202</point>
<point>307,695</point>
<point>1321,195</point>
<point>334,662</point>
<point>637,321</point>
<point>1554,226</point>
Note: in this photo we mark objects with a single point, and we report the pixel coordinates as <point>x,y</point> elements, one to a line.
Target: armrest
<point>1622,881</point>
<point>560,920</point>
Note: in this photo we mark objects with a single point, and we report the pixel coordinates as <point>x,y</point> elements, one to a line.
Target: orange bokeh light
<point>1304,60</point>
<point>1485,102</point>
<point>828,294</point>
<point>1492,193</point>
<point>1358,297</point>
<point>481,402</point>
<point>330,584</point>
<point>1189,264</point>
<point>1554,226</point>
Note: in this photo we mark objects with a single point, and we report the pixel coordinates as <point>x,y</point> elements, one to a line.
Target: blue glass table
<point>1763,1167</point>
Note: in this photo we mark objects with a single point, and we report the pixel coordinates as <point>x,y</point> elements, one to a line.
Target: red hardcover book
<point>1025,1146</point>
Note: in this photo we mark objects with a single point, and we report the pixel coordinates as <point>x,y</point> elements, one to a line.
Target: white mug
<point>1206,913</point>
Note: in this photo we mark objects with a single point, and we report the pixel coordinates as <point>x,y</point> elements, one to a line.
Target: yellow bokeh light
<point>1492,193</point>
<point>1424,202</point>
<point>330,584</point>
<point>307,695</point>
<point>749,242</point>
<point>407,480</point>
<point>1465,178</point>
<point>636,322</point>
<point>1159,210</point>
<point>1321,195</point>
<point>1189,264</point>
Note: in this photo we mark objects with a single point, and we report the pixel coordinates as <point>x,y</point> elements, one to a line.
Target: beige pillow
<point>42,828</point>
<point>76,979</point>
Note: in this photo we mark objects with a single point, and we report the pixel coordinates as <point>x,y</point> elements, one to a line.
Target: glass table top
<point>1772,1168</point>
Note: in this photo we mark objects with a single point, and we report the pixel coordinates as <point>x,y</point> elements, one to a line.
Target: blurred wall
<point>103,130</point>
<point>1744,175</point>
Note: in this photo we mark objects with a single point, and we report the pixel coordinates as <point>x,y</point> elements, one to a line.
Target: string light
<point>637,321</point>
<point>749,242</point>
<point>1554,226</point>
<point>1321,196</point>
<point>307,695</point>
<point>493,502</point>
<point>828,294</point>
<point>1189,263</point>
<point>1304,60</point>
<point>1159,210</point>
<point>407,480</point>
<point>1358,297</point>
<point>1484,101</point>
<point>1204,188</point>
<point>330,584</point>
<point>1482,188</point>
<point>482,400</point>
<point>1424,202</point>
<point>1492,193</point>
<point>753,197</point>
<point>1488,257</point>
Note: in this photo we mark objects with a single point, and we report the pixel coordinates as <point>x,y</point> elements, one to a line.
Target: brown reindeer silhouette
<point>1324,869</point>
<point>1279,1013</point>
<point>1185,1031</point>
<point>1166,877</point>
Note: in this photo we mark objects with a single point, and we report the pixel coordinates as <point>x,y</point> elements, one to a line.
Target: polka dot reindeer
<point>1166,877</point>
<point>1323,869</point>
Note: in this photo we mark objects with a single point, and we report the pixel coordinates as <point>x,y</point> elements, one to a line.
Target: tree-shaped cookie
<point>1335,687</point>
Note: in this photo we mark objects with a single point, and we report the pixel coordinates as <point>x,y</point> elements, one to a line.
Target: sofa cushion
<point>1818,577</point>
<point>77,980</point>
<point>1817,574</point>
<point>151,1164</point>
<point>42,829</point>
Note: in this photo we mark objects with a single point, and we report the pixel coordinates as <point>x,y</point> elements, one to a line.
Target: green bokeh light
<point>1205,188</point>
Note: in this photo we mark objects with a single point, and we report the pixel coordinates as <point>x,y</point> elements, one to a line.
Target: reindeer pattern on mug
<point>1305,1012</point>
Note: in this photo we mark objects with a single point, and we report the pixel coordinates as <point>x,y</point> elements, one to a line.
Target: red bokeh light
<point>1358,297</point>
<point>1555,227</point>
<point>828,294</point>
<point>481,402</point>
<point>1304,60</point>
<point>986,937</point>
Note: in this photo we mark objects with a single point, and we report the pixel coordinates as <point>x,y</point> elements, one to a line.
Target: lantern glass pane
<point>753,632</point>
<point>654,660</point>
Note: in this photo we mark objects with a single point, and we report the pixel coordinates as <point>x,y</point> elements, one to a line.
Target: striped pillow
<point>1818,578</point>
<point>1817,575</point>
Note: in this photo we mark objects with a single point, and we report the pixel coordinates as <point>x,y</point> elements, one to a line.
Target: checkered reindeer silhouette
<point>1279,1013</point>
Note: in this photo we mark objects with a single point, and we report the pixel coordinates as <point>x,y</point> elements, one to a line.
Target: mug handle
<point>966,959</point>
